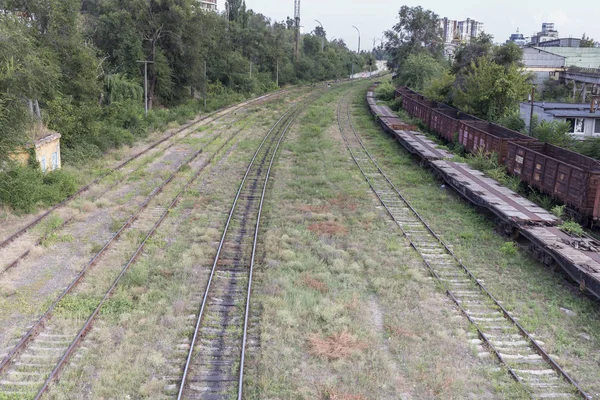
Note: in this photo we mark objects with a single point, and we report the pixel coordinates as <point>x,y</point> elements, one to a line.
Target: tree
<point>508,54</point>
<point>418,30</point>
<point>491,91</point>
<point>319,31</point>
<point>478,47</point>
<point>586,41</point>
<point>418,70</point>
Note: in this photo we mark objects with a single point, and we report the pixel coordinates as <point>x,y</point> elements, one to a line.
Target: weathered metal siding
<point>568,176</point>
<point>445,122</point>
<point>487,137</point>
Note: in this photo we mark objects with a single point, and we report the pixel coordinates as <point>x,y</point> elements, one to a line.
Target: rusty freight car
<point>488,137</point>
<point>445,122</point>
<point>569,177</point>
<point>410,103</point>
<point>424,108</point>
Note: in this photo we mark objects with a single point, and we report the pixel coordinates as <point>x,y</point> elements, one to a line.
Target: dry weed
<point>401,332</point>
<point>344,202</point>
<point>336,346</point>
<point>305,208</point>
<point>313,283</point>
<point>329,228</point>
<point>333,394</point>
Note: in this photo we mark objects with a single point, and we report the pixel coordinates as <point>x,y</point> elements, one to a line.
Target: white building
<point>209,5</point>
<point>547,34</point>
<point>458,32</point>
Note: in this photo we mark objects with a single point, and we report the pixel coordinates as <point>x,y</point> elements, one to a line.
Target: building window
<point>597,127</point>
<point>43,164</point>
<point>54,161</point>
<point>577,125</point>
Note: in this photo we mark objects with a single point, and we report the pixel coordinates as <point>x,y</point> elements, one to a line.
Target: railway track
<point>522,356</point>
<point>37,359</point>
<point>17,246</point>
<point>214,367</point>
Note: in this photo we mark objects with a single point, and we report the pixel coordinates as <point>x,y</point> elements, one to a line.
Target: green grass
<point>331,261</point>
<point>530,291</point>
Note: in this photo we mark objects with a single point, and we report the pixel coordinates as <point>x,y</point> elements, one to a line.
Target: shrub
<point>386,91</point>
<point>24,188</point>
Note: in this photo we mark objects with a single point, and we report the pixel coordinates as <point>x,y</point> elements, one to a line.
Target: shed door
<point>54,161</point>
<point>44,164</point>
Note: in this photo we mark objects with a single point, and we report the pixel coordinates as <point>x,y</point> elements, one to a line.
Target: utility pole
<point>358,38</point>
<point>250,69</point>
<point>322,37</point>
<point>358,49</point>
<point>146,83</point>
<point>277,74</point>
<point>297,19</point>
<point>531,97</point>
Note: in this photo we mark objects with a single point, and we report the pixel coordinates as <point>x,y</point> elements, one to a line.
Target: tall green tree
<point>586,41</point>
<point>491,91</point>
<point>419,70</point>
<point>417,30</point>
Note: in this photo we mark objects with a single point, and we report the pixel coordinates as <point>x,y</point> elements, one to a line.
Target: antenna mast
<point>297,20</point>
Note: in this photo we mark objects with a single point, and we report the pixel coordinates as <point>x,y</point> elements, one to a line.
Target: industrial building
<point>545,62</point>
<point>584,123</point>
<point>547,33</point>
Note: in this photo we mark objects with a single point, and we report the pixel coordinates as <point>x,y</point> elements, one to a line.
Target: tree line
<point>74,66</point>
<point>69,61</point>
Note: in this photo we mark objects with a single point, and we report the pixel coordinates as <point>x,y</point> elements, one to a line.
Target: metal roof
<point>585,57</point>
<point>560,106</point>
<point>573,113</point>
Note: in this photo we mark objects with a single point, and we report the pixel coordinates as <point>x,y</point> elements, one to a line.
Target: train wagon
<point>410,103</point>
<point>488,137</point>
<point>445,121</point>
<point>423,109</point>
<point>569,177</point>
<point>402,90</point>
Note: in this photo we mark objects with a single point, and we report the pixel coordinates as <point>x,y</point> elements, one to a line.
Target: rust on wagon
<point>566,175</point>
<point>489,138</point>
<point>445,121</point>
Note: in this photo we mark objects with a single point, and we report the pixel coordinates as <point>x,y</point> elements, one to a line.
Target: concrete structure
<point>562,42</point>
<point>46,150</point>
<point>209,5</point>
<point>545,62</point>
<point>547,33</point>
<point>583,122</point>
<point>458,32</point>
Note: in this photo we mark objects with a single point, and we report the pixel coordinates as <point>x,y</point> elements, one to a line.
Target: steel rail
<point>88,324</point>
<point>41,321</point>
<point>227,111</point>
<point>507,315</point>
<point>260,207</point>
<point>218,254</point>
<point>65,222</point>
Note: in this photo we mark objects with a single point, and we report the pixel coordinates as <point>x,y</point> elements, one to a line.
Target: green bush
<point>386,91</point>
<point>24,189</point>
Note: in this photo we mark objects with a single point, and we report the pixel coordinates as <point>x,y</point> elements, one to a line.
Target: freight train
<point>566,176</point>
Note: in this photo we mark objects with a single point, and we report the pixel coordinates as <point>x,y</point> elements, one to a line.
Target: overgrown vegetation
<point>24,189</point>
<point>484,80</point>
<point>75,67</point>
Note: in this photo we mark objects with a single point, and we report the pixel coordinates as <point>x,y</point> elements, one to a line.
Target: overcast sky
<point>372,17</point>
